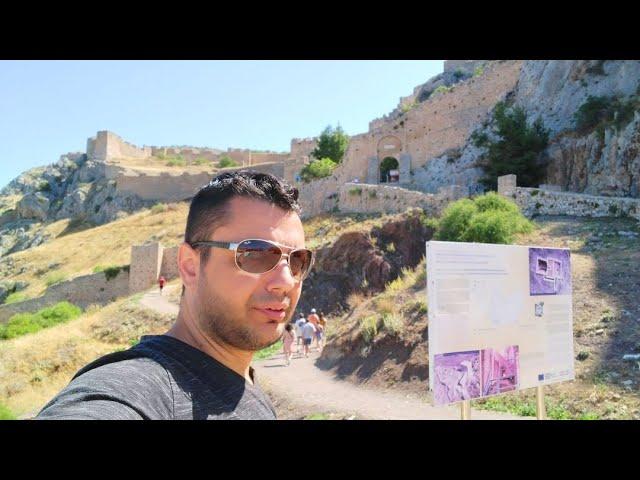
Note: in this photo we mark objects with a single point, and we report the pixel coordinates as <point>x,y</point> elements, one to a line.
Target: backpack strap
<point>111,358</point>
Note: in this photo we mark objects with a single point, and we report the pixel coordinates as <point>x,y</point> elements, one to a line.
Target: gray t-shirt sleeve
<point>128,390</point>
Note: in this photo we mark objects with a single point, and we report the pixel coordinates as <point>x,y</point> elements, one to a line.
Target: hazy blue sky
<point>48,108</point>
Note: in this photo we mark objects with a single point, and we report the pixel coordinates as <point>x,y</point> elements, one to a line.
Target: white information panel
<point>500,319</point>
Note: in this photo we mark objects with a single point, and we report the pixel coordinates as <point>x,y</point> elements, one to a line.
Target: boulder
<point>33,206</point>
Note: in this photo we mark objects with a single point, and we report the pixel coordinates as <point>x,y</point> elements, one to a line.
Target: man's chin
<point>270,338</point>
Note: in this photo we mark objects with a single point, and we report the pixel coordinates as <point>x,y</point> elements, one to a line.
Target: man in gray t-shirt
<point>235,301</point>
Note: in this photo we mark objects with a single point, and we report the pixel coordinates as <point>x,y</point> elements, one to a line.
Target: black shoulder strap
<point>111,358</point>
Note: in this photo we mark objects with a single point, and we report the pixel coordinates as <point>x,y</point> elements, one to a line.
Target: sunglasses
<point>262,256</point>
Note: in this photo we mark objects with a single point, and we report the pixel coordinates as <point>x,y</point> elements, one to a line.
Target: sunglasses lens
<point>300,261</point>
<point>257,256</point>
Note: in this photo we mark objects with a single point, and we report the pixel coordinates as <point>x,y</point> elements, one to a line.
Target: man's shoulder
<point>132,388</point>
<point>133,372</point>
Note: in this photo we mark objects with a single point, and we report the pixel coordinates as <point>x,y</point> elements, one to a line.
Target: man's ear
<point>188,265</point>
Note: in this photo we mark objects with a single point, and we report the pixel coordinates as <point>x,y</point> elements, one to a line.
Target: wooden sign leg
<point>541,411</point>
<point>465,410</point>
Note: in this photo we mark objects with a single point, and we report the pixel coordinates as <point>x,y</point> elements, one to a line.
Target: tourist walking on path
<point>161,282</point>
<point>288,338</point>
<point>313,318</point>
<point>308,332</point>
<point>322,331</point>
<point>299,324</point>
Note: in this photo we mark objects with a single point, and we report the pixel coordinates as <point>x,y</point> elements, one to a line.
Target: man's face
<point>232,303</point>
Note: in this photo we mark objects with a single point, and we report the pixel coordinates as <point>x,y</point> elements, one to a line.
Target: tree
<point>317,169</point>
<point>332,144</point>
<point>517,150</point>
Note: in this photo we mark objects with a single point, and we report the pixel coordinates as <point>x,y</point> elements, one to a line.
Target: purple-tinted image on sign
<point>457,377</point>
<point>500,370</point>
<point>549,271</point>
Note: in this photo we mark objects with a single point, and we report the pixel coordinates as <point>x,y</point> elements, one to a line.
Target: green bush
<point>488,218</point>
<point>177,161</point>
<point>5,413</point>
<point>25,323</point>
<point>110,271</point>
<point>44,186</point>
<point>226,161</point>
<point>601,112</point>
<point>317,169</point>
<point>405,107</point>
<point>455,220</point>
<point>158,208</point>
<point>200,161</point>
<point>441,89</point>
<point>392,323</point>
<point>493,201</point>
<point>55,277</point>
<point>517,149</point>
<point>369,327</point>
<point>15,297</point>
<point>479,70</point>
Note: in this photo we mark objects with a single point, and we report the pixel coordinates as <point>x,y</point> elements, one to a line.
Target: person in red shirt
<point>161,282</point>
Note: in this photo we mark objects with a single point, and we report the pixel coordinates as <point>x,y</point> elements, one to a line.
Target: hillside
<point>391,353</point>
<point>77,249</point>
<point>381,341</point>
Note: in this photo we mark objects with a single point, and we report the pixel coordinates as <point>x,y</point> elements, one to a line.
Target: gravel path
<point>305,386</point>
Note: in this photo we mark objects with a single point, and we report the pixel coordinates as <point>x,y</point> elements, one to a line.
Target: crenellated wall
<point>107,145</point>
<point>172,186</point>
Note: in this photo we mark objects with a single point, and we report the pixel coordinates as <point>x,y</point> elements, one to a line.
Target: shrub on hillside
<point>158,208</point>
<point>24,323</point>
<point>55,277</point>
<point>177,161</point>
<point>15,297</point>
<point>489,218</point>
<point>5,413</point>
<point>226,161</point>
<point>317,169</point>
<point>110,271</point>
<point>602,112</point>
<point>200,161</point>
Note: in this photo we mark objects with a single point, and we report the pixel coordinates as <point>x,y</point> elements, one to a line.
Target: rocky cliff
<point>73,187</point>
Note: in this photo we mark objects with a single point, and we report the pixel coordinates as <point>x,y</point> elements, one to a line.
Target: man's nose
<point>281,277</point>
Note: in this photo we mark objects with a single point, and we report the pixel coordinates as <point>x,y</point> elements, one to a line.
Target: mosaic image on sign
<point>500,370</point>
<point>549,271</point>
<point>457,377</point>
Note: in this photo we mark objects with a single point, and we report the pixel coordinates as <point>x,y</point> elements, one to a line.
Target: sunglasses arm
<point>227,245</point>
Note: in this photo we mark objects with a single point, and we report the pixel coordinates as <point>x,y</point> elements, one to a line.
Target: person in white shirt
<point>308,332</point>
<point>298,328</point>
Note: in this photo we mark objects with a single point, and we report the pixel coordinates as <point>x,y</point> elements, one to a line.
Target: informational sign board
<point>500,319</point>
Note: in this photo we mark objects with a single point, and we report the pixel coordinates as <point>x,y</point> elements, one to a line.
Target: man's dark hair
<point>209,208</point>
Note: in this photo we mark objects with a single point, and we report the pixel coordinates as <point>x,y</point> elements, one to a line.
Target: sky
<point>49,108</point>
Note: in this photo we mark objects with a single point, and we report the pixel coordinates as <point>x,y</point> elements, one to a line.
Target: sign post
<point>541,411</point>
<point>465,410</point>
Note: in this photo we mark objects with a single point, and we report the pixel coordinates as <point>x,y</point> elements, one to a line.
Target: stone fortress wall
<point>148,263</point>
<point>549,200</point>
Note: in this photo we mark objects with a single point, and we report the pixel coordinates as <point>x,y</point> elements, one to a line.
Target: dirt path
<point>313,389</point>
<point>306,388</point>
<point>160,303</point>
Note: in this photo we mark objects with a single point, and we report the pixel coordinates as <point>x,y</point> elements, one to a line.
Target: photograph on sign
<point>500,319</point>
